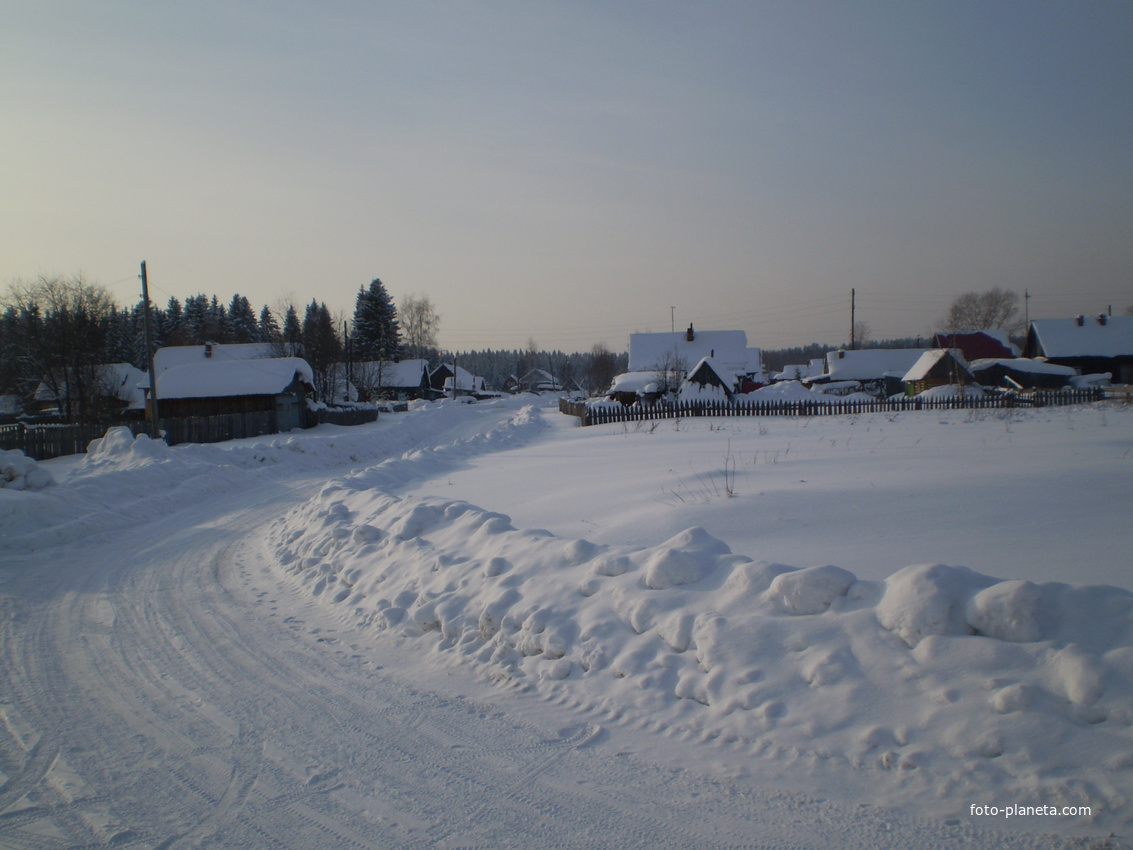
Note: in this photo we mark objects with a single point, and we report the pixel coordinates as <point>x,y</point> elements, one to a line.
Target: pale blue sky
<point>569,171</point>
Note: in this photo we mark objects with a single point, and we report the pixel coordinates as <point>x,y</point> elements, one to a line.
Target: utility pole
<point>1027,310</point>
<point>156,420</point>
<point>853,320</point>
<point>673,318</point>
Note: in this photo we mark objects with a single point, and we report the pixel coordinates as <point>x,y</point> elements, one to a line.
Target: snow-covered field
<point>482,626</point>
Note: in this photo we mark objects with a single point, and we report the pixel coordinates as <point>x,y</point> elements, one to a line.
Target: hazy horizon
<point>576,172</point>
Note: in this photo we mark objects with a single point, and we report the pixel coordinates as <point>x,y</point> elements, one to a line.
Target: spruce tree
<point>269,327</point>
<point>322,348</point>
<point>242,320</point>
<point>292,332</point>
<point>375,334</point>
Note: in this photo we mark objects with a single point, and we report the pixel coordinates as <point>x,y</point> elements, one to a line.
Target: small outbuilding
<point>632,387</point>
<point>708,381</point>
<point>937,367</point>
<point>1021,373</point>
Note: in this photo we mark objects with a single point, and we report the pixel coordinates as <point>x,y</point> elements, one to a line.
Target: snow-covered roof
<point>226,378</point>
<point>634,382</point>
<point>800,371</point>
<point>1023,364</point>
<point>1096,336</point>
<point>124,380</point>
<point>535,376</point>
<point>129,382</point>
<point>929,359</point>
<point>870,364</point>
<point>182,355</point>
<point>390,375</point>
<point>466,382</point>
<point>726,377</point>
<point>651,351</point>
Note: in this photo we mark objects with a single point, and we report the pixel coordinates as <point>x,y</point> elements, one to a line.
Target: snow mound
<point>956,681</point>
<point>953,391</point>
<point>20,472</point>
<point>929,599</point>
<point>120,448</point>
<point>685,559</point>
<point>809,591</point>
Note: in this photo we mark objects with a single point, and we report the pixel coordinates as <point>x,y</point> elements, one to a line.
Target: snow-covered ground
<point>483,626</point>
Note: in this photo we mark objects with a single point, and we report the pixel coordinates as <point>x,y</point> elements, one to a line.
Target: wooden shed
<point>708,381</point>
<point>937,368</point>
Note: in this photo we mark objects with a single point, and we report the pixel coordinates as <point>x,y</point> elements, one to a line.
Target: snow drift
<point>959,681</point>
<point>932,682</point>
<point>20,472</point>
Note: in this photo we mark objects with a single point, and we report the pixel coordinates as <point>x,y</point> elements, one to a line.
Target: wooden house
<point>441,380</point>
<point>1088,344</point>
<point>539,381</point>
<point>678,352</point>
<point>391,380</point>
<point>110,389</point>
<point>877,370</point>
<point>279,386</point>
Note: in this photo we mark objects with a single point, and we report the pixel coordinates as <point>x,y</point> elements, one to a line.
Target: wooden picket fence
<point>607,413</point>
<point>44,442</point>
<point>47,440</point>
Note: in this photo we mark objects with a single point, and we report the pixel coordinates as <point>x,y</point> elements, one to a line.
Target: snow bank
<point>124,479</point>
<point>820,394</point>
<point>953,391</point>
<point>963,684</point>
<point>20,472</point>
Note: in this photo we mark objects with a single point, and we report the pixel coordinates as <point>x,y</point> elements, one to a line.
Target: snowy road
<point>162,687</point>
<point>155,697</point>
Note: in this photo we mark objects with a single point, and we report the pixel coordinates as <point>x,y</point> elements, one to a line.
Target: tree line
<point>60,331</point>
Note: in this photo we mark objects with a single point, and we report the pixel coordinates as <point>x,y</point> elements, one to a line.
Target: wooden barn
<point>937,367</point>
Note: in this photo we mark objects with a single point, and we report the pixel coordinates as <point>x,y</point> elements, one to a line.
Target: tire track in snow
<point>190,713</point>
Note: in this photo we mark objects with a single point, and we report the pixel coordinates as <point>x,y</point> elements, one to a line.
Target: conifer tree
<point>292,332</point>
<point>269,327</point>
<point>322,348</point>
<point>375,334</point>
<point>242,320</point>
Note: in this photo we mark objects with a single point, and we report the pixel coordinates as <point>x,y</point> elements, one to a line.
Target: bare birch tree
<point>419,324</point>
